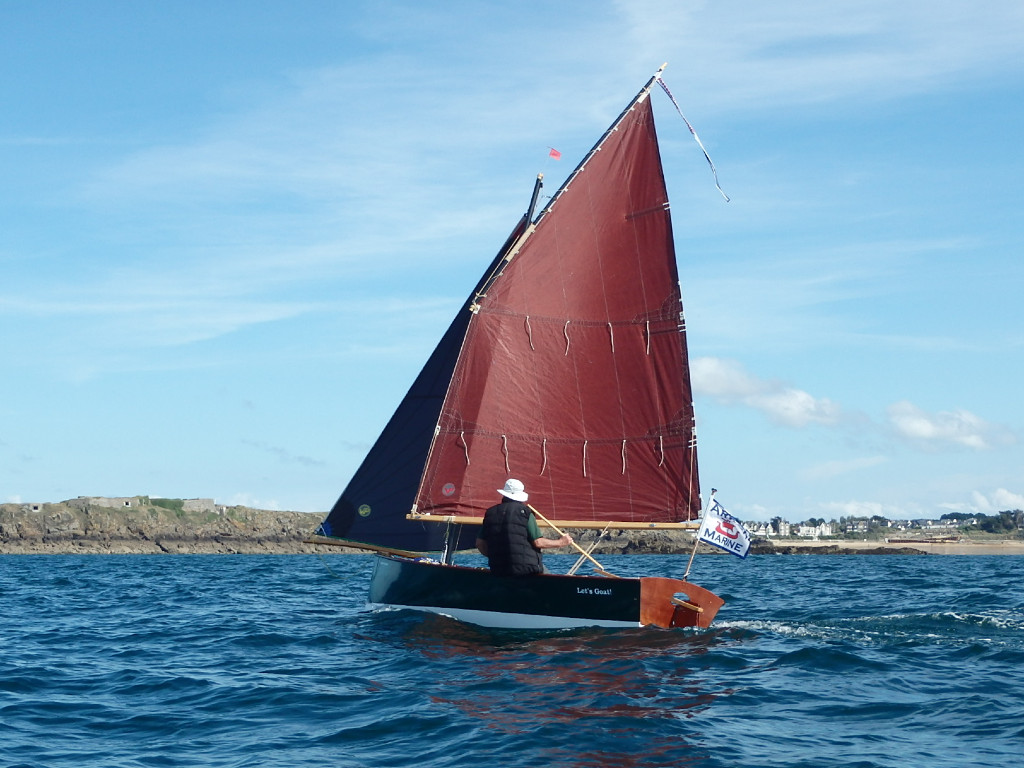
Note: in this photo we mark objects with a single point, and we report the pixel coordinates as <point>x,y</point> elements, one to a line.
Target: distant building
<point>816,531</point>
<point>120,502</point>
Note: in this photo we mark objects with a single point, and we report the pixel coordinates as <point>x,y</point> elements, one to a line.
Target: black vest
<point>510,552</point>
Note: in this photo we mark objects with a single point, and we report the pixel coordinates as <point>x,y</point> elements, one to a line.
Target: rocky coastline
<point>158,526</point>
<point>140,525</point>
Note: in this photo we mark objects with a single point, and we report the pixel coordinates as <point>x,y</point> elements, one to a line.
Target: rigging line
<point>529,333</point>
<point>465,446</point>
<point>623,457</point>
<point>565,332</point>
<point>661,447</point>
<point>695,136</point>
<point>648,338</point>
<point>584,458</point>
<point>331,572</point>
<point>589,551</point>
<point>504,450</point>
<point>544,453</point>
<point>611,335</point>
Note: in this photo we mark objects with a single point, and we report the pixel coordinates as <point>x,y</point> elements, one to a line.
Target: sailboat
<point>567,369</point>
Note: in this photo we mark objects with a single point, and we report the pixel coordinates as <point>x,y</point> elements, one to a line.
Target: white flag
<point>722,530</point>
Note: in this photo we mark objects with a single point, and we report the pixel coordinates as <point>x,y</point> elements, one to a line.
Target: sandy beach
<point>965,547</point>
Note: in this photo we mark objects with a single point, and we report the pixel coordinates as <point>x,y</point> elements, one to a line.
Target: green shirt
<point>532,529</point>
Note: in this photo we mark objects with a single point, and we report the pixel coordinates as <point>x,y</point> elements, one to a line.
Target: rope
<point>565,332</point>
<point>504,450</point>
<point>661,447</point>
<point>584,458</point>
<point>333,574</point>
<point>648,328</point>
<point>695,136</point>
<point>544,452</point>
<point>623,457</point>
<point>465,446</point>
<point>529,333</point>
<point>611,335</point>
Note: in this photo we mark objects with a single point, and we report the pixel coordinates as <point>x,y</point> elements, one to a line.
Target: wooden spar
<point>640,96</point>
<point>331,542</point>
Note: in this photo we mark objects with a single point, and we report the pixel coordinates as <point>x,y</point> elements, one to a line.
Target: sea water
<point>815,660</point>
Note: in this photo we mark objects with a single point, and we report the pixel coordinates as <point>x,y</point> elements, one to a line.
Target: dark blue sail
<point>373,507</point>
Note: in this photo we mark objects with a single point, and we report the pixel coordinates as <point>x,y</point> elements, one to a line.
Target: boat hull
<point>546,601</point>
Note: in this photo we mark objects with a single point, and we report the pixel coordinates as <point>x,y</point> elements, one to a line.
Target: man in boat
<point>510,536</point>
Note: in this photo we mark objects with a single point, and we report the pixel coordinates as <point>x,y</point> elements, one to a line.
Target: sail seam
<point>674,432</point>
<point>667,321</point>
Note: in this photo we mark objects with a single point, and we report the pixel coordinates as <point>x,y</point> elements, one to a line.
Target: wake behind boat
<point>567,367</point>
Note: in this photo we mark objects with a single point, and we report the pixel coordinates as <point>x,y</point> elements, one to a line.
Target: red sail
<point>573,376</point>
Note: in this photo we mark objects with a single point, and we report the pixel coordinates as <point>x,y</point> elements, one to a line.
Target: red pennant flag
<point>554,153</point>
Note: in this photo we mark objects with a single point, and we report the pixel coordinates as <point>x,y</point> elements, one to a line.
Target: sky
<point>231,233</point>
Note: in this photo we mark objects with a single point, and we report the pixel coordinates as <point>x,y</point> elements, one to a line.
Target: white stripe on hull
<point>500,620</point>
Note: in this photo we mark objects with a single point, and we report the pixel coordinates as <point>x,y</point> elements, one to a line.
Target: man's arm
<point>533,531</point>
<point>542,543</point>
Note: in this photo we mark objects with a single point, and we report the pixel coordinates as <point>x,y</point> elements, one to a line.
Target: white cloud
<point>854,508</point>
<point>860,508</point>
<point>945,428</point>
<point>830,469</point>
<point>801,51</point>
<point>728,382</point>
<point>999,500</point>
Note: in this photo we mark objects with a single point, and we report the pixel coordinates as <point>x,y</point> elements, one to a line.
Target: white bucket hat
<point>514,490</point>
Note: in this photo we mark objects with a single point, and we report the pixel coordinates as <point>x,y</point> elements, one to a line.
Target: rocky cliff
<point>152,526</point>
<point>140,525</point>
